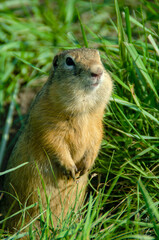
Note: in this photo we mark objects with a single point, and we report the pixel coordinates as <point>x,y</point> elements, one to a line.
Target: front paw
<point>70,171</point>
<point>83,171</point>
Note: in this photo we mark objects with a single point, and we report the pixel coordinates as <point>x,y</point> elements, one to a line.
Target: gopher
<point>60,140</point>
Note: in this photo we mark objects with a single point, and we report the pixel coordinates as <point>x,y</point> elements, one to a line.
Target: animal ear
<point>55,61</point>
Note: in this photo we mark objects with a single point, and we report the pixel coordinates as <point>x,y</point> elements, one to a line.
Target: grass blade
<point>8,124</point>
<point>152,210</point>
<point>128,26</point>
<point>121,34</point>
<point>82,30</point>
<point>133,20</point>
<point>152,41</point>
<point>13,169</point>
<point>119,100</point>
<point>139,63</point>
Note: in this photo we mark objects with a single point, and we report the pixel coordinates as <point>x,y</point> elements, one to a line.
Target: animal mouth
<point>94,84</point>
<point>95,81</point>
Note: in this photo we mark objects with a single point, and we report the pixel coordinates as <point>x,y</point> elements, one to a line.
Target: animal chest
<point>78,138</point>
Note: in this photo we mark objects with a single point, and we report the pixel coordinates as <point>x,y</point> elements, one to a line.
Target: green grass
<point>123,200</point>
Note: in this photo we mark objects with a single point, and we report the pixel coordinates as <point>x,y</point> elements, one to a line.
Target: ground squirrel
<point>61,137</point>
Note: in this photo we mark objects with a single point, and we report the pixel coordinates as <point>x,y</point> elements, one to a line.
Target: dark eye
<point>70,62</point>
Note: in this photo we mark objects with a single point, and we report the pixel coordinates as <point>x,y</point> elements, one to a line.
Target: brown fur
<point>63,132</point>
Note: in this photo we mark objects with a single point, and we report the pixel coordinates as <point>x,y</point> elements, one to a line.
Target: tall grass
<point>123,196</point>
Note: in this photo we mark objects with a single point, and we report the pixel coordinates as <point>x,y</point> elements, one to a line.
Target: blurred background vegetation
<point>125,179</point>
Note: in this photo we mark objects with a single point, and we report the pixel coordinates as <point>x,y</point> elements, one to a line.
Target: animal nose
<point>96,71</point>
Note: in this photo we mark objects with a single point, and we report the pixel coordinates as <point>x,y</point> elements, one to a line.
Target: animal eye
<point>70,62</point>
